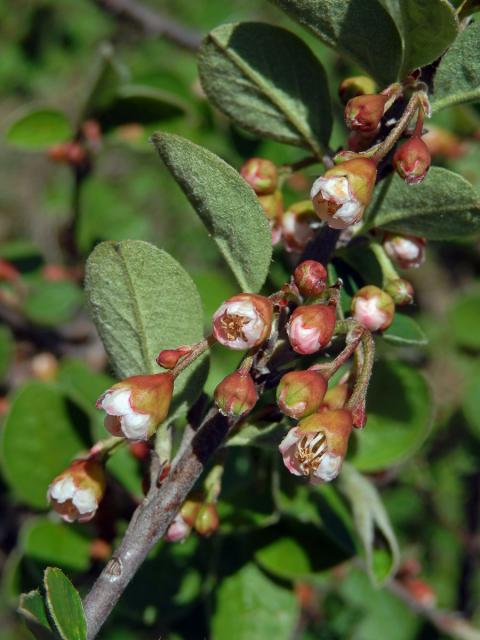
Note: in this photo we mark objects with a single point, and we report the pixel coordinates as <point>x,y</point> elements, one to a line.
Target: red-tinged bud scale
<point>412,160</point>
<point>300,393</point>
<point>261,175</point>
<point>400,290</point>
<point>169,358</point>
<point>207,520</point>
<point>243,321</point>
<point>355,86</point>
<point>298,226</point>
<point>311,328</point>
<point>76,493</point>
<point>317,446</point>
<point>236,394</point>
<point>407,252</point>
<point>341,195</point>
<point>373,308</point>
<point>310,277</point>
<point>363,113</point>
<point>137,405</point>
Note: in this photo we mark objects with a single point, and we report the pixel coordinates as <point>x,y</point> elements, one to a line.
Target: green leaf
<point>362,31</point>
<point>471,403</point>
<point>52,303</point>
<point>6,350</point>
<point>427,29</point>
<point>371,519</point>
<point>108,76</point>
<point>142,301</point>
<point>399,409</point>
<point>442,207</point>
<point>249,606</point>
<point>457,79</point>
<point>39,440</point>
<point>269,82</point>
<point>64,605</point>
<point>50,542</point>
<point>404,331</point>
<point>32,609</point>
<point>226,204</point>
<point>463,320</point>
<point>39,128</point>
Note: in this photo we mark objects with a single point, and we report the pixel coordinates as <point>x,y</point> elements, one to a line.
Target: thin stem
<point>388,270</point>
<point>354,336</point>
<point>397,131</point>
<point>195,353</point>
<point>358,399</point>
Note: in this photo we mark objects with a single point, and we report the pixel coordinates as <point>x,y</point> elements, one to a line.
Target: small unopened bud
<point>243,321</point>
<point>412,160</point>
<point>310,277</point>
<point>341,195</point>
<point>420,591</point>
<point>136,406</point>
<point>56,273</point>
<point>300,393</point>
<point>207,520</point>
<point>236,394</point>
<point>140,450</point>
<point>92,132</point>
<point>311,328</point>
<point>76,154</point>
<point>355,86</point>
<point>406,252</point>
<point>189,510</point>
<point>336,397</point>
<point>272,204</point>
<point>364,113</point>
<point>59,152</point>
<point>178,531</point>
<point>298,226</point>
<point>317,446</point>
<point>400,290</point>
<point>261,175</point>
<point>373,308</point>
<point>44,366</point>
<point>8,273</point>
<point>76,493</point>
<point>169,358</point>
<point>100,550</point>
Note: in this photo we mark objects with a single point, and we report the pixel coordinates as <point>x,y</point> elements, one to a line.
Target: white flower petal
<point>117,402</point>
<point>84,501</point>
<point>62,490</point>
<point>135,426</point>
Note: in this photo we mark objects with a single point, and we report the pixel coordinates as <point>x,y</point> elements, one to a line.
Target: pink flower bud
<point>341,195</point>
<point>406,252</point>
<point>243,321</point>
<point>137,405</point>
<point>178,531</point>
<point>236,394</point>
<point>373,308</point>
<point>300,393</point>
<point>311,328</point>
<point>310,277</point>
<point>207,520</point>
<point>76,493</point>
<point>412,160</point>
<point>317,446</point>
<point>169,358</point>
<point>261,175</point>
<point>8,272</point>
<point>298,226</point>
<point>355,86</point>
<point>363,113</point>
<point>400,290</point>
<point>336,397</point>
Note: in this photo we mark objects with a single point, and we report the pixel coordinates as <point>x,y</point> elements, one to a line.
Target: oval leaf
<point>64,605</point>
<point>269,82</point>
<point>226,204</point>
<point>442,207</point>
<point>32,609</point>
<point>39,128</point>
<point>457,79</point>
<point>399,409</point>
<point>143,301</point>
<point>39,441</point>
<point>463,320</point>
<point>362,30</point>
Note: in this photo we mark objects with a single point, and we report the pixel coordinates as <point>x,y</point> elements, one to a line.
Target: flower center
<point>310,451</point>
<point>233,325</point>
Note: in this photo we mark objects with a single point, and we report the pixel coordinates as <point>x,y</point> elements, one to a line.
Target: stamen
<point>310,450</point>
<point>233,326</point>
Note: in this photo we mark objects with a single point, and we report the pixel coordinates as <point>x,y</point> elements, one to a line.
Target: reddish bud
<point>298,226</point>
<point>8,273</point>
<point>310,328</point>
<point>75,494</point>
<point>261,175</point>
<point>336,397</point>
<point>373,308</point>
<point>169,358</point>
<point>56,273</point>
<point>420,591</point>
<point>317,446</point>
<point>92,132</point>
<point>100,549</point>
<point>59,152</point>
<point>76,154</point>
<point>178,531</point>
<point>207,520</point>
<point>355,86</point>
<point>300,393</point>
<point>363,113</point>
<point>236,394</point>
<point>406,252</point>
<point>341,195</point>
<point>310,277</point>
<point>243,321</point>
<point>189,511</point>
<point>412,160</point>
<point>400,290</point>
<point>137,405</point>
<point>140,450</point>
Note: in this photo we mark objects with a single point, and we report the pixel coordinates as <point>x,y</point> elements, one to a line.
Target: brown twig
<point>152,23</point>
